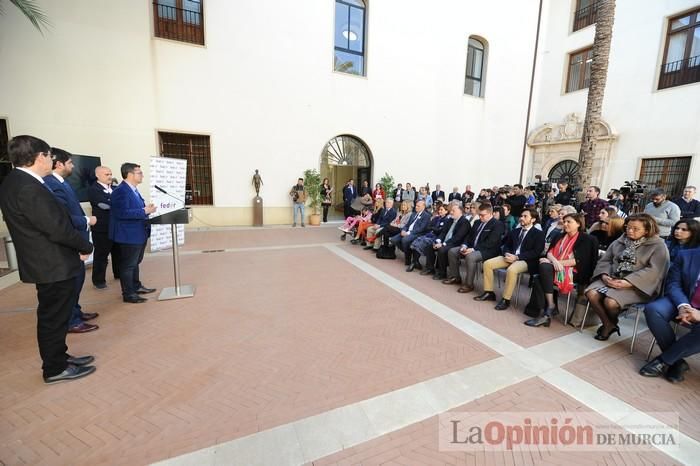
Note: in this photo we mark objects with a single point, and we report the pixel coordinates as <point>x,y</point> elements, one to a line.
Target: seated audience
<point>440,221</point>
<point>682,303</point>
<point>555,229</point>
<point>610,230</point>
<point>395,226</point>
<point>415,227</point>
<point>449,237</point>
<point>508,218</point>
<point>483,243</point>
<point>631,272</point>
<point>352,222</point>
<point>570,261</point>
<point>365,223</point>
<point>381,219</point>
<point>552,218</point>
<point>604,214</point>
<point>522,249</point>
<point>685,234</point>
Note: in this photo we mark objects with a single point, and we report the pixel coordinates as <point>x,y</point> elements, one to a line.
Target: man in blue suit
<point>416,226</point>
<point>129,228</point>
<point>682,302</point>
<point>349,195</point>
<point>62,169</point>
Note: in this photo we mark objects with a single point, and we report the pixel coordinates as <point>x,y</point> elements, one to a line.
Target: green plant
<point>31,11</point>
<point>312,186</point>
<point>387,182</point>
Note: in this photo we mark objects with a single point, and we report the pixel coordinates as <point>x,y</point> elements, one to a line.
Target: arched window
<point>476,67</point>
<point>350,36</point>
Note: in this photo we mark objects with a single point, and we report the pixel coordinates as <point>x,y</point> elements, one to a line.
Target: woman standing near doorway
<point>327,200</point>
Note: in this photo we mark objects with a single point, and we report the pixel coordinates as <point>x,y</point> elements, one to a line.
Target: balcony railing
<point>680,72</point>
<point>585,16</point>
<point>178,24</point>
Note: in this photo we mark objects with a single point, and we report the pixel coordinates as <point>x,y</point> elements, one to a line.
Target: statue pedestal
<point>257,211</point>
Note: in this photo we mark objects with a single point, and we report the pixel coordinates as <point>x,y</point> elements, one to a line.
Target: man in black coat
<point>349,195</point>
<point>449,238</point>
<point>100,196</point>
<point>483,243</point>
<point>522,249</point>
<point>49,252</point>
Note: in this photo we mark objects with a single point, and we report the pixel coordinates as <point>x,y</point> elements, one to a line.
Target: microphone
<point>168,194</point>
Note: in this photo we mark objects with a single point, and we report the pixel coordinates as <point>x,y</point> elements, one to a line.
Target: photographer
<point>298,195</point>
<point>564,196</point>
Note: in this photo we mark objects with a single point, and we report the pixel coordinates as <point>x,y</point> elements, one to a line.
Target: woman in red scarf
<point>570,261</point>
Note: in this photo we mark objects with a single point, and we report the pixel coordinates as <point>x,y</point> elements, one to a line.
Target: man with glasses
<point>690,207</point>
<point>666,213</point>
<point>50,253</point>
<point>128,227</point>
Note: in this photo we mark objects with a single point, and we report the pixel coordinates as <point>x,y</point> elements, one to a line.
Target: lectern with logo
<point>175,218</point>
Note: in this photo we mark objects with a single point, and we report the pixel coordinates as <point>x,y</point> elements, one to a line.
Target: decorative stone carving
<point>570,130</point>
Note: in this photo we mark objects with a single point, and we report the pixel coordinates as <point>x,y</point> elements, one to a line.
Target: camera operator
<point>564,196</point>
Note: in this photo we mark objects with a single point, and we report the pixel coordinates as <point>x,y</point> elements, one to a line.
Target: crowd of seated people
<point>615,263</point>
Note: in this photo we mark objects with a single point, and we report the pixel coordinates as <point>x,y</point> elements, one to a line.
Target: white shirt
<point>61,180</point>
<point>525,230</point>
<point>29,172</point>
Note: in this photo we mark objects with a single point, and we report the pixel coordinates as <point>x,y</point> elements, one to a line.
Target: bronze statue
<point>257,182</point>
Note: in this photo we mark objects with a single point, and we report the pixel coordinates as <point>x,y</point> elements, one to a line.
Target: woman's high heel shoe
<point>603,337</point>
<point>543,321</point>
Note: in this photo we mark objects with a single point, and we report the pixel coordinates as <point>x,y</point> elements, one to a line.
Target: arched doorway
<point>564,172</point>
<point>345,157</point>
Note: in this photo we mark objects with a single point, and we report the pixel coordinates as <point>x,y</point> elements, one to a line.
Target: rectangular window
<point>579,70</point>
<point>5,165</point>
<point>179,20</point>
<point>670,173</point>
<point>585,14</point>
<point>681,63</point>
<point>195,150</point>
<point>350,36</point>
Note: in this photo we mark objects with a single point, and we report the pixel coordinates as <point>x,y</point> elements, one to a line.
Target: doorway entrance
<point>345,157</point>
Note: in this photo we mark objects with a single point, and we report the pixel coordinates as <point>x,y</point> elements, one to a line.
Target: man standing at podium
<point>129,228</point>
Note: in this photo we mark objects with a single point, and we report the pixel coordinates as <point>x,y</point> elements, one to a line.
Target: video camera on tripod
<point>635,193</point>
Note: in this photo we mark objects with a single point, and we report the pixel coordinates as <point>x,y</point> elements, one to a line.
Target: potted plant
<point>312,186</point>
<point>387,183</point>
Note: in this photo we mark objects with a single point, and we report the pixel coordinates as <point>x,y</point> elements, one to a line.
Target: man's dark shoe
<point>71,373</point>
<point>438,276</point>
<point>101,286</point>
<point>82,328</point>
<point>655,368</point>
<point>135,299</point>
<point>371,246</point>
<point>675,371</point>
<point>89,315</point>
<point>487,296</point>
<point>144,290</point>
<point>410,267</point>
<point>502,305</point>
<point>80,360</point>
<point>354,241</point>
<point>465,289</point>
<point>428,272</point>
<point>452,281</point>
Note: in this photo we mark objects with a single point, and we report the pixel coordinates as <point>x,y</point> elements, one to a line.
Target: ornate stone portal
<point>554,143</point>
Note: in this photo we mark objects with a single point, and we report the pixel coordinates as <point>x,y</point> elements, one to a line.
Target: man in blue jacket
<point>682,303</point>
<point>129,228</point>
<point>62,169</point>
<point>416,226</point>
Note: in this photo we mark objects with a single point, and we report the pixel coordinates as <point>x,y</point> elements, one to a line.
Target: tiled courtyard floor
<point>298,348</point>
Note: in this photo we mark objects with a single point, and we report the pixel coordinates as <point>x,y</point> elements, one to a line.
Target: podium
<point>174,218</point>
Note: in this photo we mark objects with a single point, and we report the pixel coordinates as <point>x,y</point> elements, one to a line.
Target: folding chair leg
<point>585,315</point>
<point>517,289</point>
<point>636,328</point>
<point>566,314</point>
<point>651,347</point>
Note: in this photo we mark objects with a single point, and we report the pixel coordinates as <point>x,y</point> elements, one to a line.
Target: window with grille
<point>682,55</point>
<point>585,14</point>
<point>350,36</point>
<point>179,20</point>
<point>669,173</point>
<point>579,70</point>
<point>476,61</point>
<point>5,165</point>
<point>195,150</point>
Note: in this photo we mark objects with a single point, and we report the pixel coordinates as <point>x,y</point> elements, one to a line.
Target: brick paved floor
<point>272,337</point>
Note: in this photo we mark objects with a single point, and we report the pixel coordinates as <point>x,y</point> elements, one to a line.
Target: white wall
<point>649,122</point>
<point>263,88</point>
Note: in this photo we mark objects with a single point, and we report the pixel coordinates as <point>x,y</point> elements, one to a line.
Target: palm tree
<point>596,89</point>
<point>31,10</point>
